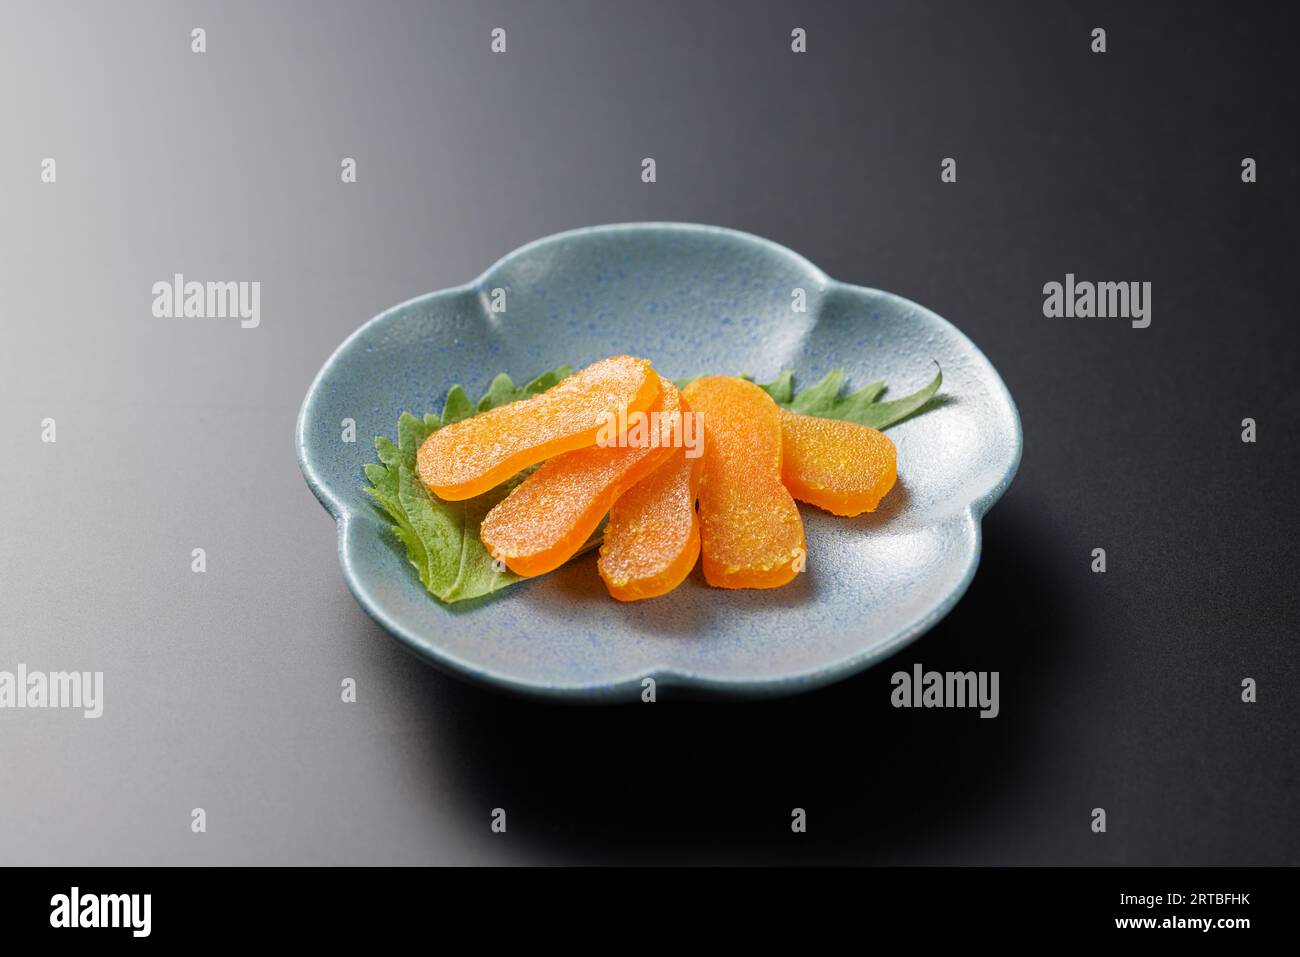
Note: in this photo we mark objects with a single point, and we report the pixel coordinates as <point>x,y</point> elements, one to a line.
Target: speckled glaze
<point>692,299</point>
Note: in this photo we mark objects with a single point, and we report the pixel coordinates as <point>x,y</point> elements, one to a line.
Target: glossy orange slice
<point>652,540</point>
<point>552,513</point>
<point>469,457</point>
<point>840,466</point>
<point>750,531</point>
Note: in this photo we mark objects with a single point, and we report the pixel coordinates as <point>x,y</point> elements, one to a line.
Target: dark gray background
<point>222,690</point>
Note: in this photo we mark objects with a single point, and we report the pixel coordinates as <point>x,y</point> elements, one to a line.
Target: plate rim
<point>626,688</point>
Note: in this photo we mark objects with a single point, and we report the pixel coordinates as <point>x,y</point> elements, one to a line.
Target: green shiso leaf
<point>824,398</point>
<point>863,406</point>
<point>442,538</point>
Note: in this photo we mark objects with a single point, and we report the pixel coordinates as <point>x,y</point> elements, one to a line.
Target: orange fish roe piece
<point>750,530</point>
<point>653,536</point>
<point>551,514</point>
<point>469,457</point>
<point>840,466</point>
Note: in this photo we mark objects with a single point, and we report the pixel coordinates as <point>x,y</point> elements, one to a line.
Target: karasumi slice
<point>652,539</point>
<point>840,466</point>
<point>552,513</point>
<point>469,457</point>
<point>751,535</point>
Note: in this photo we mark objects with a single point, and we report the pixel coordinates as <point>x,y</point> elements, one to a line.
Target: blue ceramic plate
<point>692,300</point>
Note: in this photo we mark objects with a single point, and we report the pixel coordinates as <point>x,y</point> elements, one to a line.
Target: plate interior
<point>692,300</point>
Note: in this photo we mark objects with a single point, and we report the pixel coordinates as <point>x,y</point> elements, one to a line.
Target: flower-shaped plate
<point>693,300</point>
